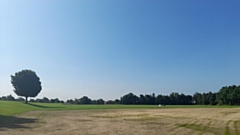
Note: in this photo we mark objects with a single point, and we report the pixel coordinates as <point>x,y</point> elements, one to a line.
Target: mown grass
<point>236,127</point>
<point>10,108</point>
<point>199,127</point>
<point>121,116</point>
<point>227,130</point>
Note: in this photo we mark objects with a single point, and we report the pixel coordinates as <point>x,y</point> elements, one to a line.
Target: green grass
<point>10,108</point>
<point>236,127</point>
<point>227,130</point>
<point>121,116</point>
<point>200,106</point>
<point>199,127</point>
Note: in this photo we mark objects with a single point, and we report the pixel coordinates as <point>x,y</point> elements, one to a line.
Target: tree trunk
<point>26,101</point>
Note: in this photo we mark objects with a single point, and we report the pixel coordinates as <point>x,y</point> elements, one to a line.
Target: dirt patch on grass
<point>204,121</point>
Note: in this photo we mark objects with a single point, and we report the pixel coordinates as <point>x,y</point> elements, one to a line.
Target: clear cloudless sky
<point>108,48</point>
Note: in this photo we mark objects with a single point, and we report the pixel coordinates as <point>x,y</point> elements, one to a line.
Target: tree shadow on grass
<point>41,106</point>
<point>14,122</point>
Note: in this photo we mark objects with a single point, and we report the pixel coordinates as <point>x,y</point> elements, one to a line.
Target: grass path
<point>227,130</point>
<point>207,127</point>
<point>235,127</point>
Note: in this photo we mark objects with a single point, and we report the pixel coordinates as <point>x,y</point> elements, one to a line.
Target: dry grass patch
<point>184,121</point>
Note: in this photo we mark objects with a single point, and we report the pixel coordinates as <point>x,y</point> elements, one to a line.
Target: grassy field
<point>45,118</point>
<point>10,108</point>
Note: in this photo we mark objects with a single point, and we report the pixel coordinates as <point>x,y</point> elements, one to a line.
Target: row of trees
<point>85,100</point>
<point>228,95</point>
<point>43,100</point>
<point>11,98</point>
<point>46,100</point>
<point>205,98</point>
<point>27,84</point>
<point>172,99</point>
<point>130,98</point>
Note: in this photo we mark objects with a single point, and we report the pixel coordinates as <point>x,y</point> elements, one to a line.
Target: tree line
<point>43,100</point>
<point>228,95</point>
<point>26,83</point>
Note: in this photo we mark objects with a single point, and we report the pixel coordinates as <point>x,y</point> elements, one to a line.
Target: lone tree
<point>26,83</point>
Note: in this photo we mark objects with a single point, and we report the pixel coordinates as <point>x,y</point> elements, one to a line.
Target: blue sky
<point>108,48</point>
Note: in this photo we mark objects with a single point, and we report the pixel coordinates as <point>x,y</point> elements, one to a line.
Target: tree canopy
<point>26,83</point>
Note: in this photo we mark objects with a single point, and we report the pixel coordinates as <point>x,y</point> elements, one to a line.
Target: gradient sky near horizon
<point>108,48</point>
